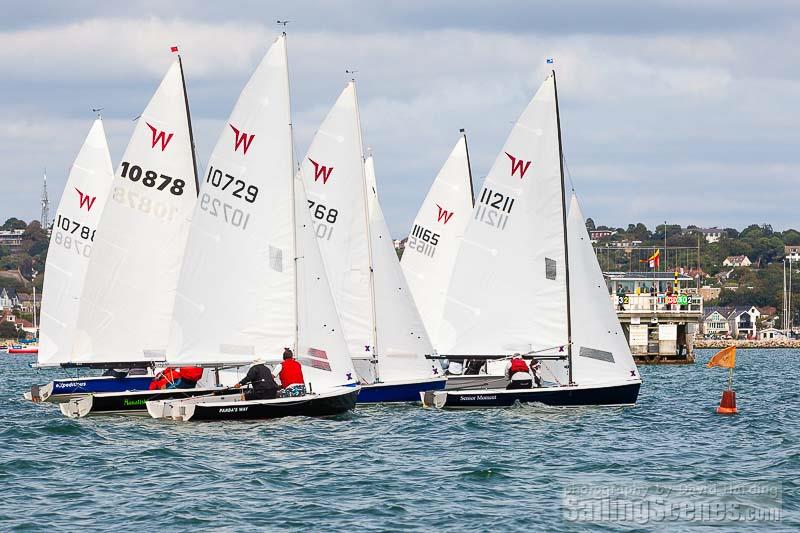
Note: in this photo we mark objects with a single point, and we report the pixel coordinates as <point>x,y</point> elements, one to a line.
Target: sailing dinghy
<point>68,254</point>
<point>385,335</point>
<point>129,290</point>
<point>526,280</point>
<point>430,256</point>
<point>252,256</point>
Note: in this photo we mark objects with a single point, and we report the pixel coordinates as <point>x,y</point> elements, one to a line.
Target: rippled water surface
<point>395,467</point>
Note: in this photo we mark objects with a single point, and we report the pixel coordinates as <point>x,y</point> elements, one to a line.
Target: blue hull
<point>400,392</point>
<point>97,384</point>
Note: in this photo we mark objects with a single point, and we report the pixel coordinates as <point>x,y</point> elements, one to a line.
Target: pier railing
<point>661,303</point>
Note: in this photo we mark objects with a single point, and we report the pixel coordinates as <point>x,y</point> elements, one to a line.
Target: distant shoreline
<point>745,344</point>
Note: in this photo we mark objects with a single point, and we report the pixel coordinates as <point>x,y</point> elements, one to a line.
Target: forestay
<point>432,246</point>
<point>71,243</point>
<point>402,341</point>
<point>333,174</point>
<point>132,276</point>
<point>508,289</point>
<point>601,353</point>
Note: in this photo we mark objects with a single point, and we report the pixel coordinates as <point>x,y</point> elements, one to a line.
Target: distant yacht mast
<point>45,218</point>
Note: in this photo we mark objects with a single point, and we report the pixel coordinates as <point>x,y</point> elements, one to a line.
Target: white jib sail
<point>435,237</point>
<point>333,174</point>
<point>132,277</point>
<point>71,244</point>
<point>600,352</point>
<point>508,289</point>
<point>403,342</point>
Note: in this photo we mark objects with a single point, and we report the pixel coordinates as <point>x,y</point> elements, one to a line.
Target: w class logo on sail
<point>518,165</point>
<point>159,136</point>
<point>85,200</point>
<point>321,171</point>
<point>242,139</point>
<point>444,215</point>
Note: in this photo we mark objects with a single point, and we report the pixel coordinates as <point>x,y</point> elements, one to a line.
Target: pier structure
<point>660,314</point>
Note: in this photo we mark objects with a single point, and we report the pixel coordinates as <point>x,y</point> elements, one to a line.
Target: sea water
<point>661,464</point>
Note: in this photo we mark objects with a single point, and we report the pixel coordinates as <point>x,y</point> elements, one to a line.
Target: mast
<point>35,327</point>
<point>293,202</point>
<point>469,168</point>
<point>191,135</point>
<point>564,223</point>
<point>375,366</point>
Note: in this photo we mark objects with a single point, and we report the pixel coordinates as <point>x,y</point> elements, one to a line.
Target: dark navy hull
<point>61,390</point>
<point>554,396</point>
<point>325,406</point>
<point>398,392</point>
<point>129,402</point>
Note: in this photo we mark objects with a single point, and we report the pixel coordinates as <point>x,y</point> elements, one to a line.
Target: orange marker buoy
<point>726,358</point>
<point>727,406</point>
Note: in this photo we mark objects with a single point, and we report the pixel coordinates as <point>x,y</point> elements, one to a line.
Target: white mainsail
<point>132,277</point>
<point>601,353</point>
<point>508,289</point>
<point>435,237</point>
<point>71,242</point>
<point>238,298</point>
<point>402,339</point>
<point>333,173</point>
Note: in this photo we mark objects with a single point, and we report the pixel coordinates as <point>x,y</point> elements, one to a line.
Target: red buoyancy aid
<point>190,373</point>
<point>291,373</point>
<point>518,365</point>
<point>164,378</point>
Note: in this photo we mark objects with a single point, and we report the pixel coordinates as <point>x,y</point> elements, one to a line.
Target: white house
<point>710,234</point>
<point>736,261</point>
<point>770,333</point>
<point>733,321</point>
<point>8,298</point>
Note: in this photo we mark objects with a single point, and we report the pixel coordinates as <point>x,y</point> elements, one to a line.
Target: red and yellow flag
<point>726,358</point>
<point>653,260</point>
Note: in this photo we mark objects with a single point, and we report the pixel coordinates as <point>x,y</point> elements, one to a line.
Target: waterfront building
<point>11,238</point>
<point>711,235</point>
<point>8,298</point>
<point>770,334</point>
<point>659,313</point>
<point>736,261</point>
<point>792,253</point>
<point>731,322</point>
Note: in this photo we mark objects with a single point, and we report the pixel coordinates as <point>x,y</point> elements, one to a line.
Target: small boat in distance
<point>527,281</point>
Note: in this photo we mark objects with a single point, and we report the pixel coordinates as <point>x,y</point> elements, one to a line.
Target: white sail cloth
<point>508,289</point>
<point>601,353</point>
<point>71,243</point>
<point>242,296</point>
<point>132,276</point>
<point>333,174</point>
<point>435,237</point>
<point>402,341</point>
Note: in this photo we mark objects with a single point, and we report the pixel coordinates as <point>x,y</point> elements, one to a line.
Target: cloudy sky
<point>674,110</point>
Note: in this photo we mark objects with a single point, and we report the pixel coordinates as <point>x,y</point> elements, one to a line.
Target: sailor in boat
<point>536,371</point>
<point>185,377</point>
<point>290,374</point>
<point>518,373</point>
<point>262,383</point>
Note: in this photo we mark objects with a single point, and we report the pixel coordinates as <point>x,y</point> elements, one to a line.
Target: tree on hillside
<point>791,237</point>
<point>590,224</point>
<point>8,330</point>
<point>13,223</point>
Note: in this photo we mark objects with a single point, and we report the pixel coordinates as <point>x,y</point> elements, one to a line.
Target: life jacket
<point>291,373</point>
<point>518,365</point>
<point>190,373</point>
<point>164,378</point>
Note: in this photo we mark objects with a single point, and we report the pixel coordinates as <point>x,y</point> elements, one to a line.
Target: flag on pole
<point>653,260</point>
<point>173,49</point>
<point>725,358</point>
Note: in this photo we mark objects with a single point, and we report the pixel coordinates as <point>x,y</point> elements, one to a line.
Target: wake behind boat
<point>526,280</point>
